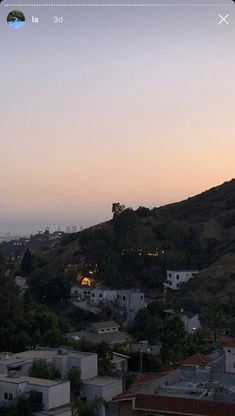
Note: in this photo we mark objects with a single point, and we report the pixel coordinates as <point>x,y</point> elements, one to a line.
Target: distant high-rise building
<point>68,229</point>
<point>74,229</point>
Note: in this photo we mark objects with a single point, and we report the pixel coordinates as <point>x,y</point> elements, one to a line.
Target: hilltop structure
<point>176,278</point>
<point>90,298</point>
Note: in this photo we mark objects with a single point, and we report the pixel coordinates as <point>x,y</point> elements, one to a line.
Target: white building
<point>97,332</point>
<point>21,282</point>
<point>130,301</point>
<point>229,354</point>
<point>62,359</point>
<point>175,279</point>
<point>190,319</point>
<point>106,387</point>
<point>53,394</point>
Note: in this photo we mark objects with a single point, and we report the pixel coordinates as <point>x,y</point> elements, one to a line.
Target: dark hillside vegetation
<point>135,249</point>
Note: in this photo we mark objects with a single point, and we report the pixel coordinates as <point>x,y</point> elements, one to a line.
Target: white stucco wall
<point>108,391</point>
<point>89,367</point>
<point>14,388</point>
<point>59,395</point>
<point>229,353</point>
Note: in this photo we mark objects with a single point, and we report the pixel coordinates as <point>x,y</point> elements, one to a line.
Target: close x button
<point>223,19</point>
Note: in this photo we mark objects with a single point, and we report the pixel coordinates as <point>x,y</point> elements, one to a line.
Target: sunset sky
<point>135,105</point>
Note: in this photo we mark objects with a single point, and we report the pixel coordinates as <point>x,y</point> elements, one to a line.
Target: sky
<point>127,104</point>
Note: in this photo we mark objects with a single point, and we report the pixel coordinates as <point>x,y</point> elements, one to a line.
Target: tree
<point>117,208</point>
<point>11,310</point>
<point>43,369</point>
<point>213,317</point>
<point>74,376</point>
<point>147,325</point>
<point>172,340</point>
<point>27,263</point>
<point>23,406</point>
<point>105,357</point>
<point>19,407</point>
<point>81,408</point>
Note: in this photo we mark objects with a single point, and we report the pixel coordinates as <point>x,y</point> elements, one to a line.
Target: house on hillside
<point>176,278</point>
<point>190,319</point>
<point>130,301</point>
<point>21,283</point>
<point>107,331</point>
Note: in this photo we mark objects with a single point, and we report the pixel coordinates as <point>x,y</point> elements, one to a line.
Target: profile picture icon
<point>16,19</point>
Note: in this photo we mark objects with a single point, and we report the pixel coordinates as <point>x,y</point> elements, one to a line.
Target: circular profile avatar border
<point>16,19</point>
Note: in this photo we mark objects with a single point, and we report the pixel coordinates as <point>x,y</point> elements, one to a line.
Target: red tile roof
<point>140,383</point>
<point>228,342</point>
<point>198,359</point>
<point>183,406</point>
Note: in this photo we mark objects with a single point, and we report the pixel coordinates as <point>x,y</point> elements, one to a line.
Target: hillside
<point>135,248</point>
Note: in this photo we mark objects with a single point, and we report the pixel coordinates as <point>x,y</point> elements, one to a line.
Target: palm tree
<point>81,408</point>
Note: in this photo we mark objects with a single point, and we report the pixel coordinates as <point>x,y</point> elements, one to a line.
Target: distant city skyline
<point>134,105</point>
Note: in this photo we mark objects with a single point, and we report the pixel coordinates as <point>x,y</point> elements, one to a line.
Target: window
<point>10,396</point>
<point>118,296</point>
<point>229,350</point>
<point>93,295</point>
<point>177,277</point>
<point>5,396</point>
<point>101,295</point>
<point>124,297</point>
<point>233,364</point>
<point>178,285</point>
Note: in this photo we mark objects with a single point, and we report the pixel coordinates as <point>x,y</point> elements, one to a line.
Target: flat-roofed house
<point>107,331</point>
<point>62,359</point>
<point>53,394</point>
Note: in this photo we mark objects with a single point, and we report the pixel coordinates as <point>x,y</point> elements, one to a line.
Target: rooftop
<point>228,342</point>
<point>112,337</point>
<point>182,405</point>
<point>198,359</point>
<point>10,359</point>
<point>105,325</point>
<point>142,382</point>
<point>101,381</point>
<point>30,380</point>
<point>56,412</point>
